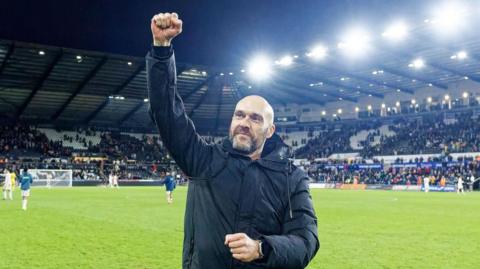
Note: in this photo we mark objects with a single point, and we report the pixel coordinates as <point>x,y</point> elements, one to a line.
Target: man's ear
<point>271,130</point>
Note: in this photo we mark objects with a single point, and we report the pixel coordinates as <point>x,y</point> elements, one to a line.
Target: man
<point>110,180</point>
<point>426,183</point>
<point>460,184</point>
<point>115,180</point>
<point>8,184</point>
<point>472,181</point>
<point>247,205</point>
<point>13,175</point>
<point>443,181</point>
<point>25,181</point>
<point>169,182</point>
<point>49,177</point>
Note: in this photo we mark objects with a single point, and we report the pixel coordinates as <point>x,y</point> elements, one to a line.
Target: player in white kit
<point>460,185</point>
<point>110,180</point>
<point>426,183</point>
<point>115,180</point>
<point>8,185</point>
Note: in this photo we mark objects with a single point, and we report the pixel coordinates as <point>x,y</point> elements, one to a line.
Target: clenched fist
<point>165,26</point>
<point>242,247</point>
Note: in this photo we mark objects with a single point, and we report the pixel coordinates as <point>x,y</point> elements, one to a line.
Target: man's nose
<point>244,123</point>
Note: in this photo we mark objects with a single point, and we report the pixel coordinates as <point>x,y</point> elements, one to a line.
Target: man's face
<point>251,125</point>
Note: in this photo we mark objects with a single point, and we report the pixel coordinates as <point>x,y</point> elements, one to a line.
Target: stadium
<point>126,152</point>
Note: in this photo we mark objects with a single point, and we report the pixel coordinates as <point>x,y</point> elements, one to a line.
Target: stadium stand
<point>78,140</point>
<point>139,156</point>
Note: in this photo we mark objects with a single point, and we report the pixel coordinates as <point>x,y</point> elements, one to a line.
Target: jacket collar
<point>275,154</point>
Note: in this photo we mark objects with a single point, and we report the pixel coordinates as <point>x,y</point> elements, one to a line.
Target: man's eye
<point>256,118</point>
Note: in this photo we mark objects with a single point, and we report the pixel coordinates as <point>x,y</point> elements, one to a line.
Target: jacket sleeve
<point>298,243</point>
<point>188,149</point>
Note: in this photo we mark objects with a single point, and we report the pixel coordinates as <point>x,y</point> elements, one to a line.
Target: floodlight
<point>318,52</point>
<point>259,68</point>
<point>417,64</point>
<point>450,17</point>
<point>285,61</point>
<point>396,31</point>
<point>356,43</point>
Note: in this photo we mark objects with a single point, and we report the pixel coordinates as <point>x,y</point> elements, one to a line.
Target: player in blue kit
<point>170,185</point>
<point>25,182</point>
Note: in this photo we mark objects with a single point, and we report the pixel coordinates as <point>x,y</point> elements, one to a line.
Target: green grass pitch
<point>134,227</point>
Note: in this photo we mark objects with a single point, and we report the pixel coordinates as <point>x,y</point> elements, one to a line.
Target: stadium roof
<point>69,86</point>
<point>73,87</point>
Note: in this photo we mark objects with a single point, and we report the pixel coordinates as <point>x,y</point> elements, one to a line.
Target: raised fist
<point>165,26</point>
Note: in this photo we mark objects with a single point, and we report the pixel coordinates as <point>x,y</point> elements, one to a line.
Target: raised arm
<point>177,131</point>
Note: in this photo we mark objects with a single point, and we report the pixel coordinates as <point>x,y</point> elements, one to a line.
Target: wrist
<point>161,43</point>
<point>260,254</point>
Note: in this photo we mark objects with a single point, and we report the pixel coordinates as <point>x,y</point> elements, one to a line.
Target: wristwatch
<point>260,251</point>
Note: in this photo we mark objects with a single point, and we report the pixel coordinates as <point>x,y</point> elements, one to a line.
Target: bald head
<point>257,104</point>
<point>252,124</point>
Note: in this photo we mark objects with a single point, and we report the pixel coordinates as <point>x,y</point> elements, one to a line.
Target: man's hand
<point>165,26</point>
<point>243,248</point>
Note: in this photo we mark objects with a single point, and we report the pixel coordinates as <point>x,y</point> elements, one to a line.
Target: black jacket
<point>268,199</point>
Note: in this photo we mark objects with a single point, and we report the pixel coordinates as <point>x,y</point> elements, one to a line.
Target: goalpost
<point>51,177</point>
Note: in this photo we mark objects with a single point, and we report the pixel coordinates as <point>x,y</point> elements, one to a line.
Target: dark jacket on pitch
<point>268,199</point>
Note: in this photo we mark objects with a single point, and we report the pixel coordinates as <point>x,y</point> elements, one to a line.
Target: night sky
<point>216,33</point>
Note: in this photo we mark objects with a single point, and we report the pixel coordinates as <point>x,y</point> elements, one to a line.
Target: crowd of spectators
<point>136,156</point>
<point>421,135</point>
<point>120,146</point>
<point>23,139</point>
<point>391,175</point>
<point>26,140</point>
<point>429,135</point>
<point>325,144</point>
<point>332,139</point>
